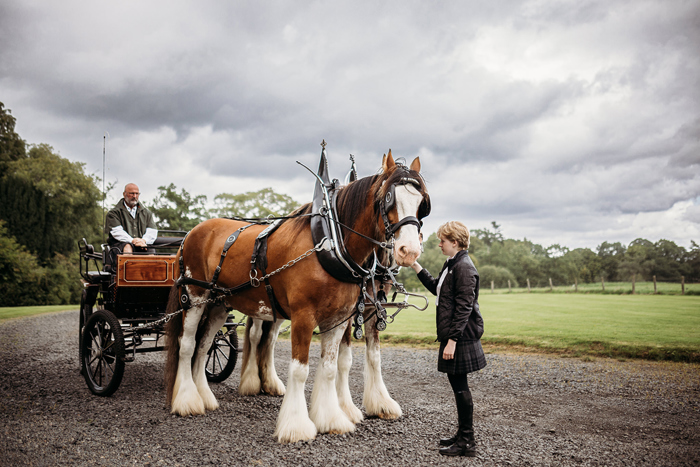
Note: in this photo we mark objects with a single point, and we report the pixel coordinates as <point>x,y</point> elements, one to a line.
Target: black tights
<point>459,383</point>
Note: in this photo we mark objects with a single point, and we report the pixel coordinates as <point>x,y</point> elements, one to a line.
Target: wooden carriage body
<point>123,310</point>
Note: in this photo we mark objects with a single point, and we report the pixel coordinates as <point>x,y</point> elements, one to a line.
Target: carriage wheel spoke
<point>216,361</point>
<point>219,354</point>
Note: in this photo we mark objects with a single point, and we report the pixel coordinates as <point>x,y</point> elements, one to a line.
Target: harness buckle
<point>254,280</point>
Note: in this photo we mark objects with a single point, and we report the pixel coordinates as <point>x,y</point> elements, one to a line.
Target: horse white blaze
<point>250,377</point>
<point>376,398</point>
<point>407,247</point>
<point>325,409</point>
<point>186,398</point>
<point>293,422</point>
<point>342,384</point>
<point>217,318</point>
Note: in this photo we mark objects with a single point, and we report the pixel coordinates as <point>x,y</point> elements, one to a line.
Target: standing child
<point>459,328</point>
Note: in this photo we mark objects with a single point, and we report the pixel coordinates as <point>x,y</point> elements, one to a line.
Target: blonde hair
<point>454,231</point>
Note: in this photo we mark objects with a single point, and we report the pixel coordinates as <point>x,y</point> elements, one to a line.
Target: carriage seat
<point>87,252</point>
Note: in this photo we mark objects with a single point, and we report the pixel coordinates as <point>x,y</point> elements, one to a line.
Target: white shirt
<point>120,234</point>
<point>442,278</point>
<point>132,211</point>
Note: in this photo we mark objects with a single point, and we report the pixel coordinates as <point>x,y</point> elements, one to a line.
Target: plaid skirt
<point>469,357</point>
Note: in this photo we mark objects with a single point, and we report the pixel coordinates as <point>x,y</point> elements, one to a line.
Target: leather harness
<point>335,260</point>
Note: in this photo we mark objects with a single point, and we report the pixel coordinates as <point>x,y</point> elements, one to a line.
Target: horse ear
<point>415,165</point>
<point>388,162</point>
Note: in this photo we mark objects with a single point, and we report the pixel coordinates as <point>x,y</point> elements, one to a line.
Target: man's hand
<point>140,242</point>
<point>449,352</point>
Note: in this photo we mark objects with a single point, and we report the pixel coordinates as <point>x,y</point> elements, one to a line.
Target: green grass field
<point>622,326</point>
<point>662,327</point>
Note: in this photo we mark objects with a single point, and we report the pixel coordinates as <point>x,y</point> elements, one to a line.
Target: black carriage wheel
<point>102,348</point>
<point>222,356</point>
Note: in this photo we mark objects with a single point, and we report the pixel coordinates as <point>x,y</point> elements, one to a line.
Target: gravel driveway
<point>529,410</point>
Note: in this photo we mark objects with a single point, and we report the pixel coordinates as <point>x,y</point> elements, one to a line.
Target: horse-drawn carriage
<point>352,235</point>
<point>122,313</point>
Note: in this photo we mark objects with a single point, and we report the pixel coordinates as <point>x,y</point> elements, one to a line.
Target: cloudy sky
<point>571,122</point>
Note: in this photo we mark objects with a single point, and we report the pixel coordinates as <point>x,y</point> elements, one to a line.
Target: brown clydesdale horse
<point>306,292</point>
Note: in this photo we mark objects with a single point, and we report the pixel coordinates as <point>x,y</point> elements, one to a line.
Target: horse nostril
<point>403,251</point>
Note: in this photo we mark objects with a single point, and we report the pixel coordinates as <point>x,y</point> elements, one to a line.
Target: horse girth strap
<point>259,261</point>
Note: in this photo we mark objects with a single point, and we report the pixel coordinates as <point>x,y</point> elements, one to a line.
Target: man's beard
<point>131,204</point>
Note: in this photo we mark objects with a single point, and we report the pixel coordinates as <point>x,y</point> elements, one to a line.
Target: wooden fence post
<point>602,282</point>
<point>654,284</point>
<point>528,285</point>
<point>509,286</point>
<point>682,285</point>
<point>575,284</point>
<point>551,287</point>
<point>634,277</point>
<point>491,286</point>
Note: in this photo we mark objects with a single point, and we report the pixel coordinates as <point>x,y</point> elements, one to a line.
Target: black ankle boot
<point>464,444</point>
<point>449,441</point>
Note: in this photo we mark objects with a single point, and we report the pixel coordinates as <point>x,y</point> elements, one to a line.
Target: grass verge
<point>25,311</point>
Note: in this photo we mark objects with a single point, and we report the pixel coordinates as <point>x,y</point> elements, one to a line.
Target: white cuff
<point>120,234</point>
<point>150,236</point>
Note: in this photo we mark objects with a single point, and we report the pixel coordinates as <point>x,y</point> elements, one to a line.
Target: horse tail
<point>173,331</point>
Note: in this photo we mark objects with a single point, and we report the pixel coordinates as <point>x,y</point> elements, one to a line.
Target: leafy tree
<point>489,237</point>
<point>178,211</point>
<point>669,261</point>
<point>638,260</point>
<point>49,202</point>
<point>20,273</point>
<point>499,275</point>
<point>517,257</point>
<point>260,203</point>
<point>610,255</point>
<point>692,263</point>
<point>24,282</point>
<point>12,147</point>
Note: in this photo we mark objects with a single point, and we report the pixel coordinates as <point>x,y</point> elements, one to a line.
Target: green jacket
<point>135,227</point>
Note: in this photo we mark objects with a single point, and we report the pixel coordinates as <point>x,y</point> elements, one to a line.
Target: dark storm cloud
<point>564,112</point>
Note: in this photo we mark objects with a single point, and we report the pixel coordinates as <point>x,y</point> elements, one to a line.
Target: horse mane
<point>354,196</point>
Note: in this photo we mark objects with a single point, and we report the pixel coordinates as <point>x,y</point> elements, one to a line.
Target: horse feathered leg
<point>186,399</point>
<point>250,375</point>
<point>215,320</point>
<point>376,398</point>
<point>293,422</point>
<point>271,383</point>
<point>342,383</point>
<point>325,409</point>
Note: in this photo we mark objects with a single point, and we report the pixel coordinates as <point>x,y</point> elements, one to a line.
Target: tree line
<point>48,203</point>
<point>500,260</point>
